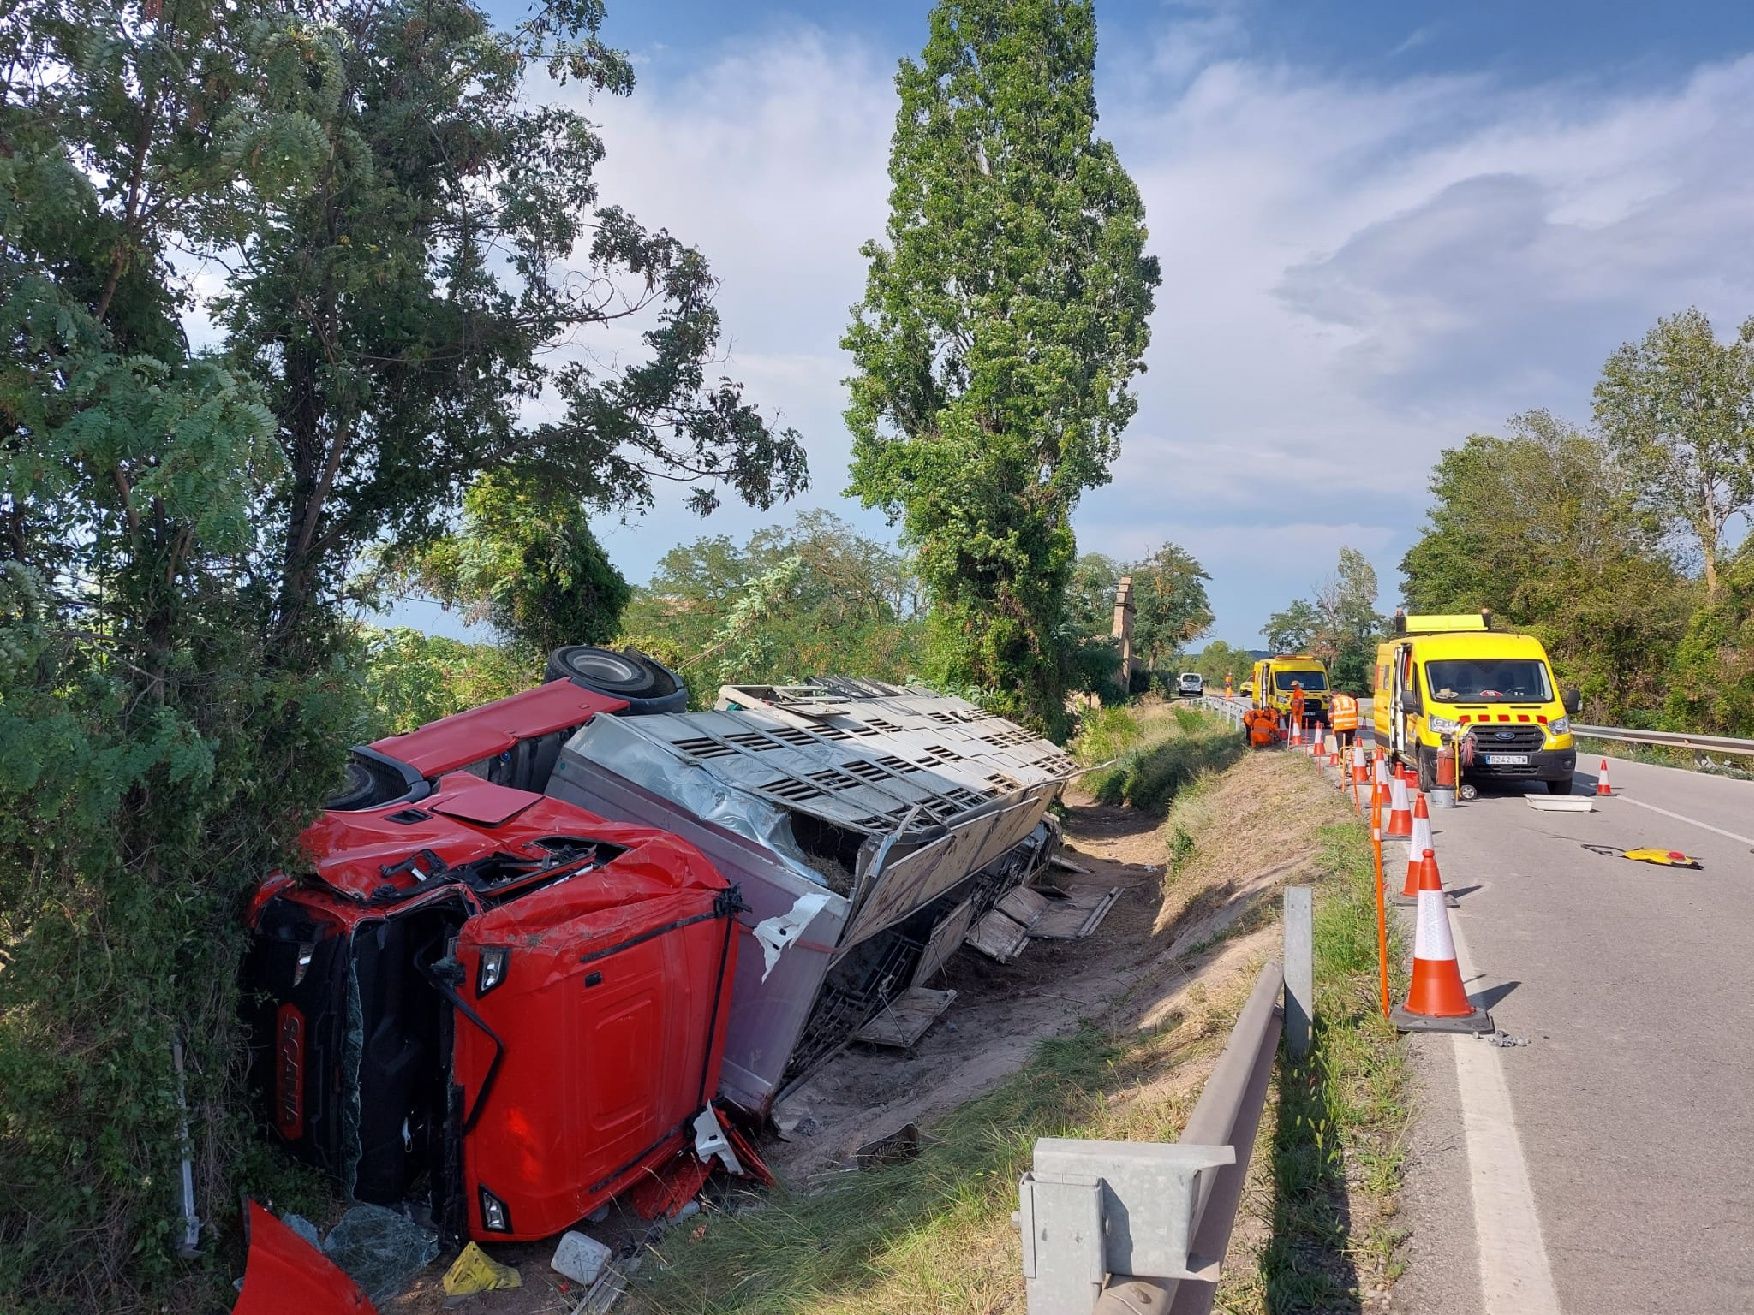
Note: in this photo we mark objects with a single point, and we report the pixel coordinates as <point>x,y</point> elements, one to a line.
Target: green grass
<point>900,1238</point>
<point>1338,1141</point>
<point>1151,751</point>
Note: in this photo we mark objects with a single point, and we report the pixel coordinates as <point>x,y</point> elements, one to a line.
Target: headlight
<point>494,1216</point>
<point>1444,725</point>
<point>1559,726</point>
<point>492,970</point>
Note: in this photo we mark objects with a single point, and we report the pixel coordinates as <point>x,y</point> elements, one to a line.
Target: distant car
<point>1190,685</point>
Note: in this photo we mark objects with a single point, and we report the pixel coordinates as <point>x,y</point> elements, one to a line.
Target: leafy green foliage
<point>524,561</point>
<point>412,678</point>
<point>1545,527</point>
<point>1144,755</point>
<point>397,306</point>
<point>1002,320</point>
<point>1217,660</point>
<point>1170,608</point>
<point>1292,630</point>
<point>794,601</point>
<point>1677,413</point>
<point>1711,680</point>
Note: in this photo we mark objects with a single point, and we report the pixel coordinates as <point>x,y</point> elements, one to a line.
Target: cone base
<point>1477,1021</point>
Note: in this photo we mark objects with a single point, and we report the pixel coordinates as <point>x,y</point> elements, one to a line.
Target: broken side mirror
<point>1573,701</point>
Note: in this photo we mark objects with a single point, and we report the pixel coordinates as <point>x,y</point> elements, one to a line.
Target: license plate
<point>1507,760</point>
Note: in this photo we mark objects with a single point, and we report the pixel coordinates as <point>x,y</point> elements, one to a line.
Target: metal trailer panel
<point>769,1007</point>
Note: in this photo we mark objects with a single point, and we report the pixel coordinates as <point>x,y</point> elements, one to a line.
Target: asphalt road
<point>1633,1100</point>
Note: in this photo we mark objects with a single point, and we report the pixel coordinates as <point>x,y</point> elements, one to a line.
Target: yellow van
<point>1492,690</point>
<point>1273,679</point>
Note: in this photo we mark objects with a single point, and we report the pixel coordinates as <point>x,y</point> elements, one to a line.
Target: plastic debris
<point>380,1249</point>
<point>580,1258</point>
<point>1668,858</point>
<point>303,1227</point>
<point>475,1271</point>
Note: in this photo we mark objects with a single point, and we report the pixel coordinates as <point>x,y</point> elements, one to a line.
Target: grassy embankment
<point>934,1233</point>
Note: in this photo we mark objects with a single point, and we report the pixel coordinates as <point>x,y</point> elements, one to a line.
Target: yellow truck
<point>1273,678</point>
<point>1492,691</point>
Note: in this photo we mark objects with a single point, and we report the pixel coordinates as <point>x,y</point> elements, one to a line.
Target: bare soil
<point>1180,944</point>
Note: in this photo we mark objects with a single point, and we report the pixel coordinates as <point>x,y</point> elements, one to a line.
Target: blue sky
<point>1383,226</point>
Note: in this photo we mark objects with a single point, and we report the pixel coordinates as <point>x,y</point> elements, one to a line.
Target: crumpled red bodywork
<point>286,1275</point>
<point>390,1052</point>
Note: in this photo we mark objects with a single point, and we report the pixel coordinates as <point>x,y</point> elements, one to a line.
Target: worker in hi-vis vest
<point>1345,714</point>
<point>1261,725</point>
<point>1296,703</point>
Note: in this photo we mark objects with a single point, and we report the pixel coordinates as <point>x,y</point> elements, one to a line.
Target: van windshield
<point>1308,679</point>
<point>1489,680</point>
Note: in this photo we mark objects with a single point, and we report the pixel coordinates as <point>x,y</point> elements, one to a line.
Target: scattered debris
<point>904,1021</point>
<point>475,1271</point>
<point>1066,864</point>
<point>1076,912</point>
<point>610,1287</point>
<point>1668,858</point>
<point>1499,1037</point>
<point>999,937</point>
<point>1560,803</point>
<point>580,1258</point>
<point>283,1272</point>
<point>380,1249</point>
<point>666,1189</point>
<point>302,1227</point>
<point>902,1144</point>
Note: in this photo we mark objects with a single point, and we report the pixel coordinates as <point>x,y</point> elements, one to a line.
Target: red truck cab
<point>493,1001</point>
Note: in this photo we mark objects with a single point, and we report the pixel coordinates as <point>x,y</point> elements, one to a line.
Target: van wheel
<point>648,686</point>
<point>1562,785</point>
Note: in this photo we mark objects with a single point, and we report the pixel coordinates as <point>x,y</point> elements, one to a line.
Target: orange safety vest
<point>1263,724</point>
<point>1345,712</point>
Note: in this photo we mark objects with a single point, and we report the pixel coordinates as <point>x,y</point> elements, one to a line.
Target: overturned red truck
<point>485,995</point>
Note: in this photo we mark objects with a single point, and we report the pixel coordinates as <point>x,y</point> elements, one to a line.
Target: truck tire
<point>1561,785</point>
<point>374,780</point>
<point>648,686</point>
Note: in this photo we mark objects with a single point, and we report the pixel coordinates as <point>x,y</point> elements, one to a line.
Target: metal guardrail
<point>1669,739</point>
<point>1230,709</point>
<point>1141,1228</point>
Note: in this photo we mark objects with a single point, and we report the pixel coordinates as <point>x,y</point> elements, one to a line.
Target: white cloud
<point>1355,275</point>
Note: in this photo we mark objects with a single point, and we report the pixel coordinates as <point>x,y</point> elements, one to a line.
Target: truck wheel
<point>1562,785</point>
<point>648,686</point>
<point>373,780</point>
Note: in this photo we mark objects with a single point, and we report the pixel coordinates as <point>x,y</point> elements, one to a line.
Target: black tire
<point>648,686</point>
<point>1562,785</point>
<point>1427,766</point>
<point>374,780</point>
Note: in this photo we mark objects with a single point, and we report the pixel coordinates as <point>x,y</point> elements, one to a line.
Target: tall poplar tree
<point>1003,317</point>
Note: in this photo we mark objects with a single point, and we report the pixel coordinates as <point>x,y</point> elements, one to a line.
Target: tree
<point>1001,323</point>
<point>1346,635</point>
<point>402,307</point>
<point>524,561</point>
<point>1291,630</point>
<point>1218,660</point>
<point>1547,529</point>
<point>1677,411</point>
<point>1090,594</point>
<point>795,601</point>
<point>1711,681</point>
<point>413,678</point>
<point>1170,608</point>
<point>156,761</point>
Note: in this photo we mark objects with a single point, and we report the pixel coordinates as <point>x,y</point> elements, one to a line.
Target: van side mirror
<point>1573,701</point>
<point>1411,703</point>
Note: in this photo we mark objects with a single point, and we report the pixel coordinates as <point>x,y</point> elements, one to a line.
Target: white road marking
<point>1515,1278</point>
<point>1691,821</point>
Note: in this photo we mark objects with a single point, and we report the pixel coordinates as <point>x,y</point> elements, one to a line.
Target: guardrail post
<point>1299,970</point>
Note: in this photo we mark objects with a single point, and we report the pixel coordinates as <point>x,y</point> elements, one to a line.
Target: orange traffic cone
<point>1400,815</point>
<point>1436,1001</point>
<point>1602,779</point>
<point>1419,853</point>
<point>1360,764</point>
<point>1334,753</point>
<point>1296,732</point>
<point>1315,741</point>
